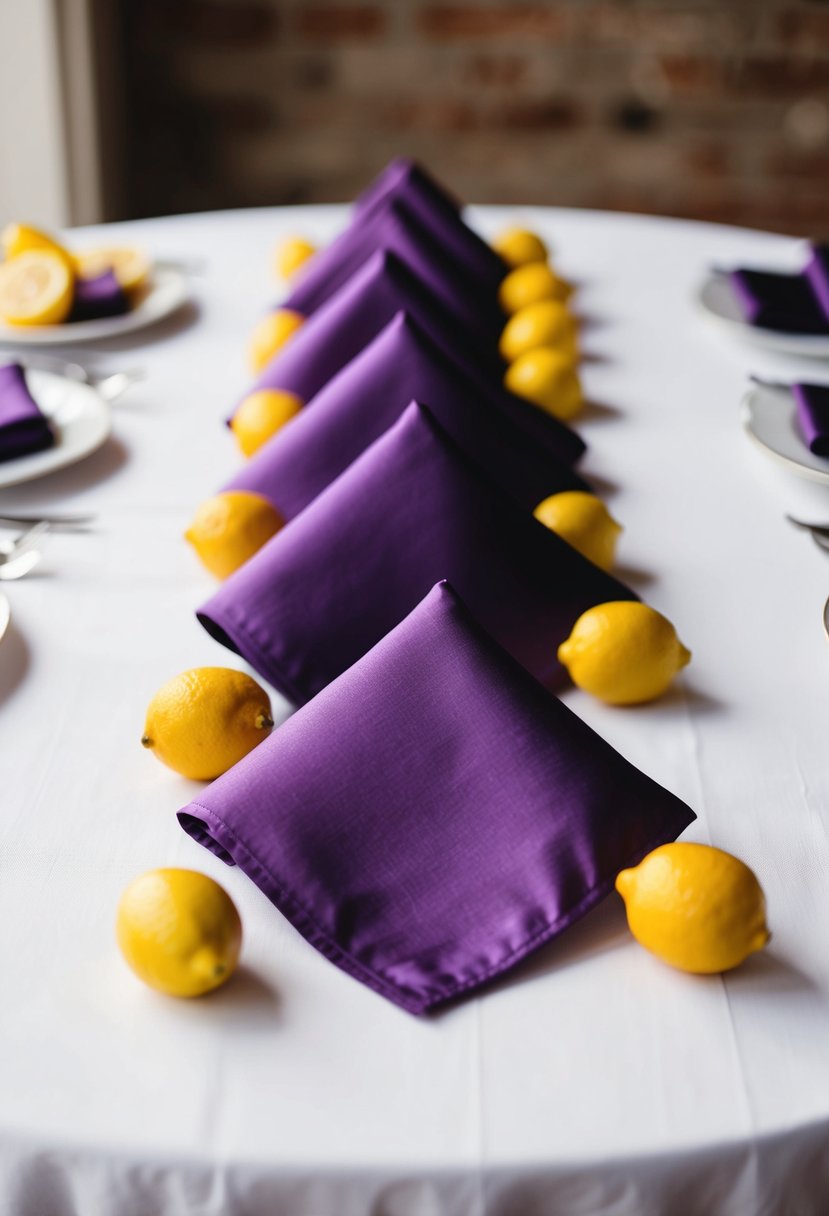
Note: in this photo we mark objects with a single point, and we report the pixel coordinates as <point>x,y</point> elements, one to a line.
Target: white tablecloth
<point>595,1080</point>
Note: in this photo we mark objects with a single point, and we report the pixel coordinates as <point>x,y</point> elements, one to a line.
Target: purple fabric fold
<point>367,396</point>
<point>23,428</point>
<point>783,302</point>
<point>432,256</point>
<point>434,815</point>
<point>405,178</point>
<point>813,416</point>
<point>356,313</point>
<point>410,511</point>
<point>817,273</point>
<point>101,296</point>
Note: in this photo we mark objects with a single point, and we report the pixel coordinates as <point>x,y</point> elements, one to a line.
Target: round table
<point>592,1080</point>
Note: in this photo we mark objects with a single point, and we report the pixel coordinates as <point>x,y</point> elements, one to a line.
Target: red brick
<point>780,75</point>
<point>491,72</point>
<point>232,23</point>
<point>335,23</point>
<point>450,21</point>
<point>552,114</point>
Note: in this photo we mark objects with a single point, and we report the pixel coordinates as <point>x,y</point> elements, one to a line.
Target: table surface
<point>592,1080</point>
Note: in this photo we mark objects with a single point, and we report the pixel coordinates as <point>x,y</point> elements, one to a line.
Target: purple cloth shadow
<point>410,511</point>
<point>813,415</point>
<point>434,260</point>
<point>23,428</point>
<point>434,815</point>
<point>101,296</point>
<point>355,314</point>
<point>362,401</point>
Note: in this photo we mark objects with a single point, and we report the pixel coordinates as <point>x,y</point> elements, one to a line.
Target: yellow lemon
<point>131,266</point>
<point>291,254</point>
<point>179,931</point>
<point>260,415</point>
<point>230,527</point>
<point>528,284</point>
<point>519,246</point>
<point>695,907</point>
<point>36,288</point>
<point>21,238</point>
<point>205,720</point>
<point>584,522</point>
<point>623,652</point>
<point>548,379</point>
<point>270,335</point>
<point>545,323</point>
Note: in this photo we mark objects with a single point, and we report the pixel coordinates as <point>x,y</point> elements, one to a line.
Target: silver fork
<point>19,556</point>
<point>110,385</point>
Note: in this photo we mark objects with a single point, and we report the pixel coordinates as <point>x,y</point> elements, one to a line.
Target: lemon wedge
<point>131,266</point>
<point>36,288</point>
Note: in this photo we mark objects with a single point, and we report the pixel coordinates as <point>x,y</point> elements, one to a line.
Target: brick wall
<point>715,109</point>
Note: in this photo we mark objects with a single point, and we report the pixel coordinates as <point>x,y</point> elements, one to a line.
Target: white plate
<point>79,416</point>
<point>718,301</point>
<point>5,614</point>
<point>769,415</point>
<point>167,292</point>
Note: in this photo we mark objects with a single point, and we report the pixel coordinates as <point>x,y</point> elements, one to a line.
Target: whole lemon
<point>230,527</point>
<point>623,652</point>
<point>518,246</point>
<point>205,720</point>
<point>695,907</point>
<point>291,254</point>
<point>270,335</point>
<point>584,522</point>
<point>545,323</point>
<point>36,288</point>
<point>179,931</point>
<point>528,284</point>
<point>548,379</point>
<point>260,415</point>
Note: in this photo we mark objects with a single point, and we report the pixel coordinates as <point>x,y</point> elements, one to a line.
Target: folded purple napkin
<point>817,272</point>
<point>439,211</point>
<point>101,296</point>
<point>362,401</point>
<point>355,314</point>
<point>411,510</point>
<point>23,428</point>
<point>434,815</point>
<point>398,229</point>
<point>813,415</point>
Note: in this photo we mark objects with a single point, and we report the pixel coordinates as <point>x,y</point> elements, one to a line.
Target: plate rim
<point>5,615</point>
<point>795,466</point>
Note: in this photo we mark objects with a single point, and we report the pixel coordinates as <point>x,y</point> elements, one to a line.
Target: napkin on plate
<point>355,314</point>
<point>785,302</point>
<point>434,815</point>
<point>23,428</point>
<point>363,399</point>
<point>812,402</point>
<point>411,510</point>
<point>398,229</point>
<point>100,296</point>
<point>817,272</point>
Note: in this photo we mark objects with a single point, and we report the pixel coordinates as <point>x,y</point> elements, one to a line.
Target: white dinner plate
<point>5,614</point>
<point>769,415</point>
<point>168,290</point>
<point>720,305</point>
<point>80,419</point>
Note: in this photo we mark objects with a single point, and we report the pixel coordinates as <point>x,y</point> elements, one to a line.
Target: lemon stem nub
<point>146,741</point>
<point>263,722</point>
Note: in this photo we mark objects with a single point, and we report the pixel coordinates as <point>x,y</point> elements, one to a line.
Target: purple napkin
<point>409,511</point>
<point>23,428</point>
<point>813,415</point>
<point>785,302</point>
<point>101,296</point>
<point>433,260</point>
<point>434,815</point>
<point>363,400</point>
<point>355,314</point>
<point>408,182</point>
<point>817,272</point>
